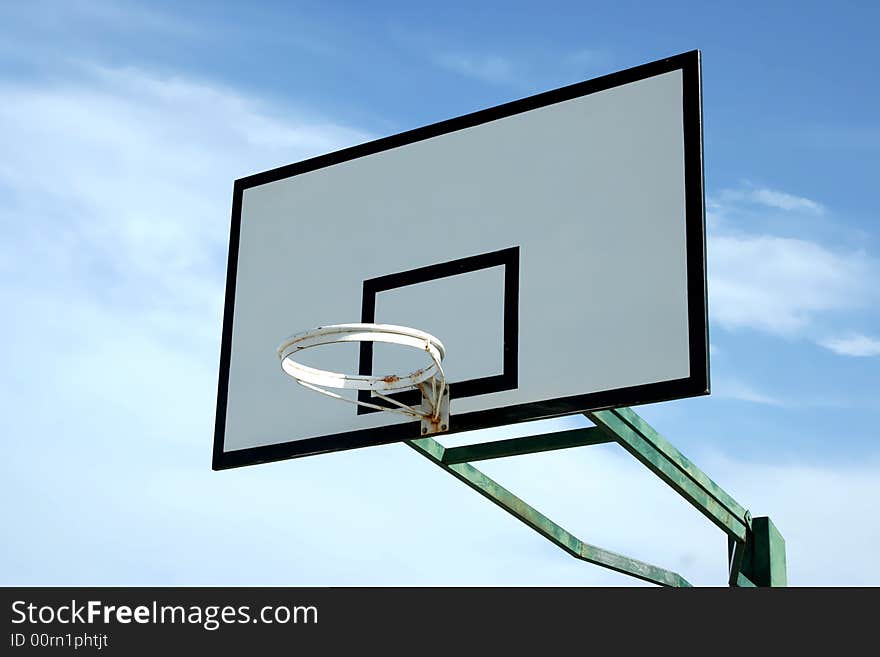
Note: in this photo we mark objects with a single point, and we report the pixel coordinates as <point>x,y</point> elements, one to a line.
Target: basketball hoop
<point>430,380</point>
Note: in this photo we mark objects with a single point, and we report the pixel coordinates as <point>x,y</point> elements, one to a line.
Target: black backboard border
<point>697,383</point>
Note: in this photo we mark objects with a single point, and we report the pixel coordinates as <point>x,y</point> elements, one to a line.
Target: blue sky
<point>122,127</point>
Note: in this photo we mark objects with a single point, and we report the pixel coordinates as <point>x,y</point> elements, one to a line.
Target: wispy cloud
<point>495,69</point>
<point>727,388</point>
<point>853,345</point>
<point>780,285</point>
<point>527,68</point>
<point>772,198</point>
<point>794,496</point>
<point>115,214</point>
<point>619,517</point>
<point>790,286</point>
<point>94,16</point>
<point>129,176</point>
<point>783,201</point>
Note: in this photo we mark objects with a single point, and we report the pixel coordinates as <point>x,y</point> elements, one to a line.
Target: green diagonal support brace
<point>756,550</point>
<point>665,447</point>
<point>490,489</point>
<point>667,463</point>
<point>526,445</point>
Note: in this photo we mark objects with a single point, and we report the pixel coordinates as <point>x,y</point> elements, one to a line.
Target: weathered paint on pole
<point>490,489</point>
<point>756,549</point>
<point>679,473</point>
<point>526,445</point>
<point>764,557</point>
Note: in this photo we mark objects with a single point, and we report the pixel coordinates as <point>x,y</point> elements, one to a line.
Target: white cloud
<point>771,198</point>
<point>792,287</point>
<point>527,69</point>
<point>726,388</point>
<point>120,14</point>
<point>584,61</point>
<point>295,521</point>
<point>802,500</point>
<point>780,285</point>
<point>853,345</point>
<point>118,188</point>
<point>495,69</point>
<point>783,201</point>
<point>115,208</point>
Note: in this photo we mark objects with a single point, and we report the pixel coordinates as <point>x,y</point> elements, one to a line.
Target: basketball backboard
<point>555,244</point>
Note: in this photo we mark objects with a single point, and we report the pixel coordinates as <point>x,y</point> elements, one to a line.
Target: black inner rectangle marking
<point>507,380</point>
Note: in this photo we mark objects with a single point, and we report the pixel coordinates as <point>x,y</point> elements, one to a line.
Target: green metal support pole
<point>764,556</point>
<point>661,458</point>
<point>669,451</point>
<point>525,445</point>
<point>756,549</point>
<point>496,493</point>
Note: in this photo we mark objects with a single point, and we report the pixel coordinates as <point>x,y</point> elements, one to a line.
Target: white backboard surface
<point>554,244</point>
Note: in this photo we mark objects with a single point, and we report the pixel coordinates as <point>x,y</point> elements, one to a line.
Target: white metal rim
<point>388,333</point>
